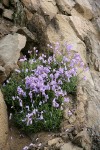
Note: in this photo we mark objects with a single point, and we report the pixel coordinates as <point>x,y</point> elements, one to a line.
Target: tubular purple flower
<point>23,59</point>
<point>66,99</point>
<point>69,47</point>
<point>20,91</point>
<point>56,75</point>
<point>51,76</point>
<point>60,82</point>
<point>65,59</point>
<point>36,51</point>
<point>30,94</point>
<point>69,113</point>
<point>82,64</point>
<point>25,148</point>
<point>61,70</point>
<point>86,69</point>
<point>84,78</point>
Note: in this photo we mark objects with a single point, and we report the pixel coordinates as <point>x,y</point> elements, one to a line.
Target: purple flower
<point>69,113</point>
<point>68,75</point>
<point>53,82</point>
<point>81,64</point>
<point>57,46</point>
<point>30,94</point>
<point>46,97</point>
<point>55,104</point>
<point>84,78</point>
<point>86,69</point>
<point>66,99</point>
<point>50,59</point>
<point>69,47</point>
<point>23,59</point>
<point>61,70</point>
<point>77,57</point>
<point>34,112</point>
<point>51,76</point>
<point>60,82</point>
<point>25,148</point>
<point>73,71</point>
<point>20,91</point>
<point>57,75</point>
<point>36,51</point>
<point>65,59</point>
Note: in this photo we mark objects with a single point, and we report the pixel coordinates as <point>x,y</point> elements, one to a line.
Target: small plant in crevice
<point>38,90</point>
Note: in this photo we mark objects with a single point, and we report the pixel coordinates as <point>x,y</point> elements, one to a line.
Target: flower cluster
<point>41,87</point>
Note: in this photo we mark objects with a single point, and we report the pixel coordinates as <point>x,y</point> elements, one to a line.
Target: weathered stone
<point>72,119</point>
<point>24,31</point>
<point>17,140</point>
<point>98,24</point>
<point>96,13</point>
<point>29,15</point>
<point>82,140</point>
<point>70,146</point>
<point>54,141</point>
<point>65,113</point>
<point>46,148</point>
<point>88,109</point>
<point>84,8</point>
<point>96,79</point>
<point>31,5</point>
<point>5,27</point>
<point>2,74</point>
<point>6,3</point>
<point>82,26</point>
<point>95,8</point>
<point>93,53</point>
<point>49,8</point>
<point>10,53</point>
<point>1,8</point>
<point>65,136</point>
<point>65,6</point>
<point>39,26</point>
<point>93,110</point>
<point>3,123</point>
<point>8,14</point>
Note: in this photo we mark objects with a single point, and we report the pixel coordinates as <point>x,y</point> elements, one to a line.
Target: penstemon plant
<point>38,90</point>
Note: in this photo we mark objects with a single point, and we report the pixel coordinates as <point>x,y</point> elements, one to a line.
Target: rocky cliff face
<point>76,22</point>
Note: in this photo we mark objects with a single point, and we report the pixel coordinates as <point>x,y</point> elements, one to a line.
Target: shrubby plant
<point>37,91</point>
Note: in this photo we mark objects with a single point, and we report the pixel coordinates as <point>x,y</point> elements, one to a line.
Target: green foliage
<point>37,91</point>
